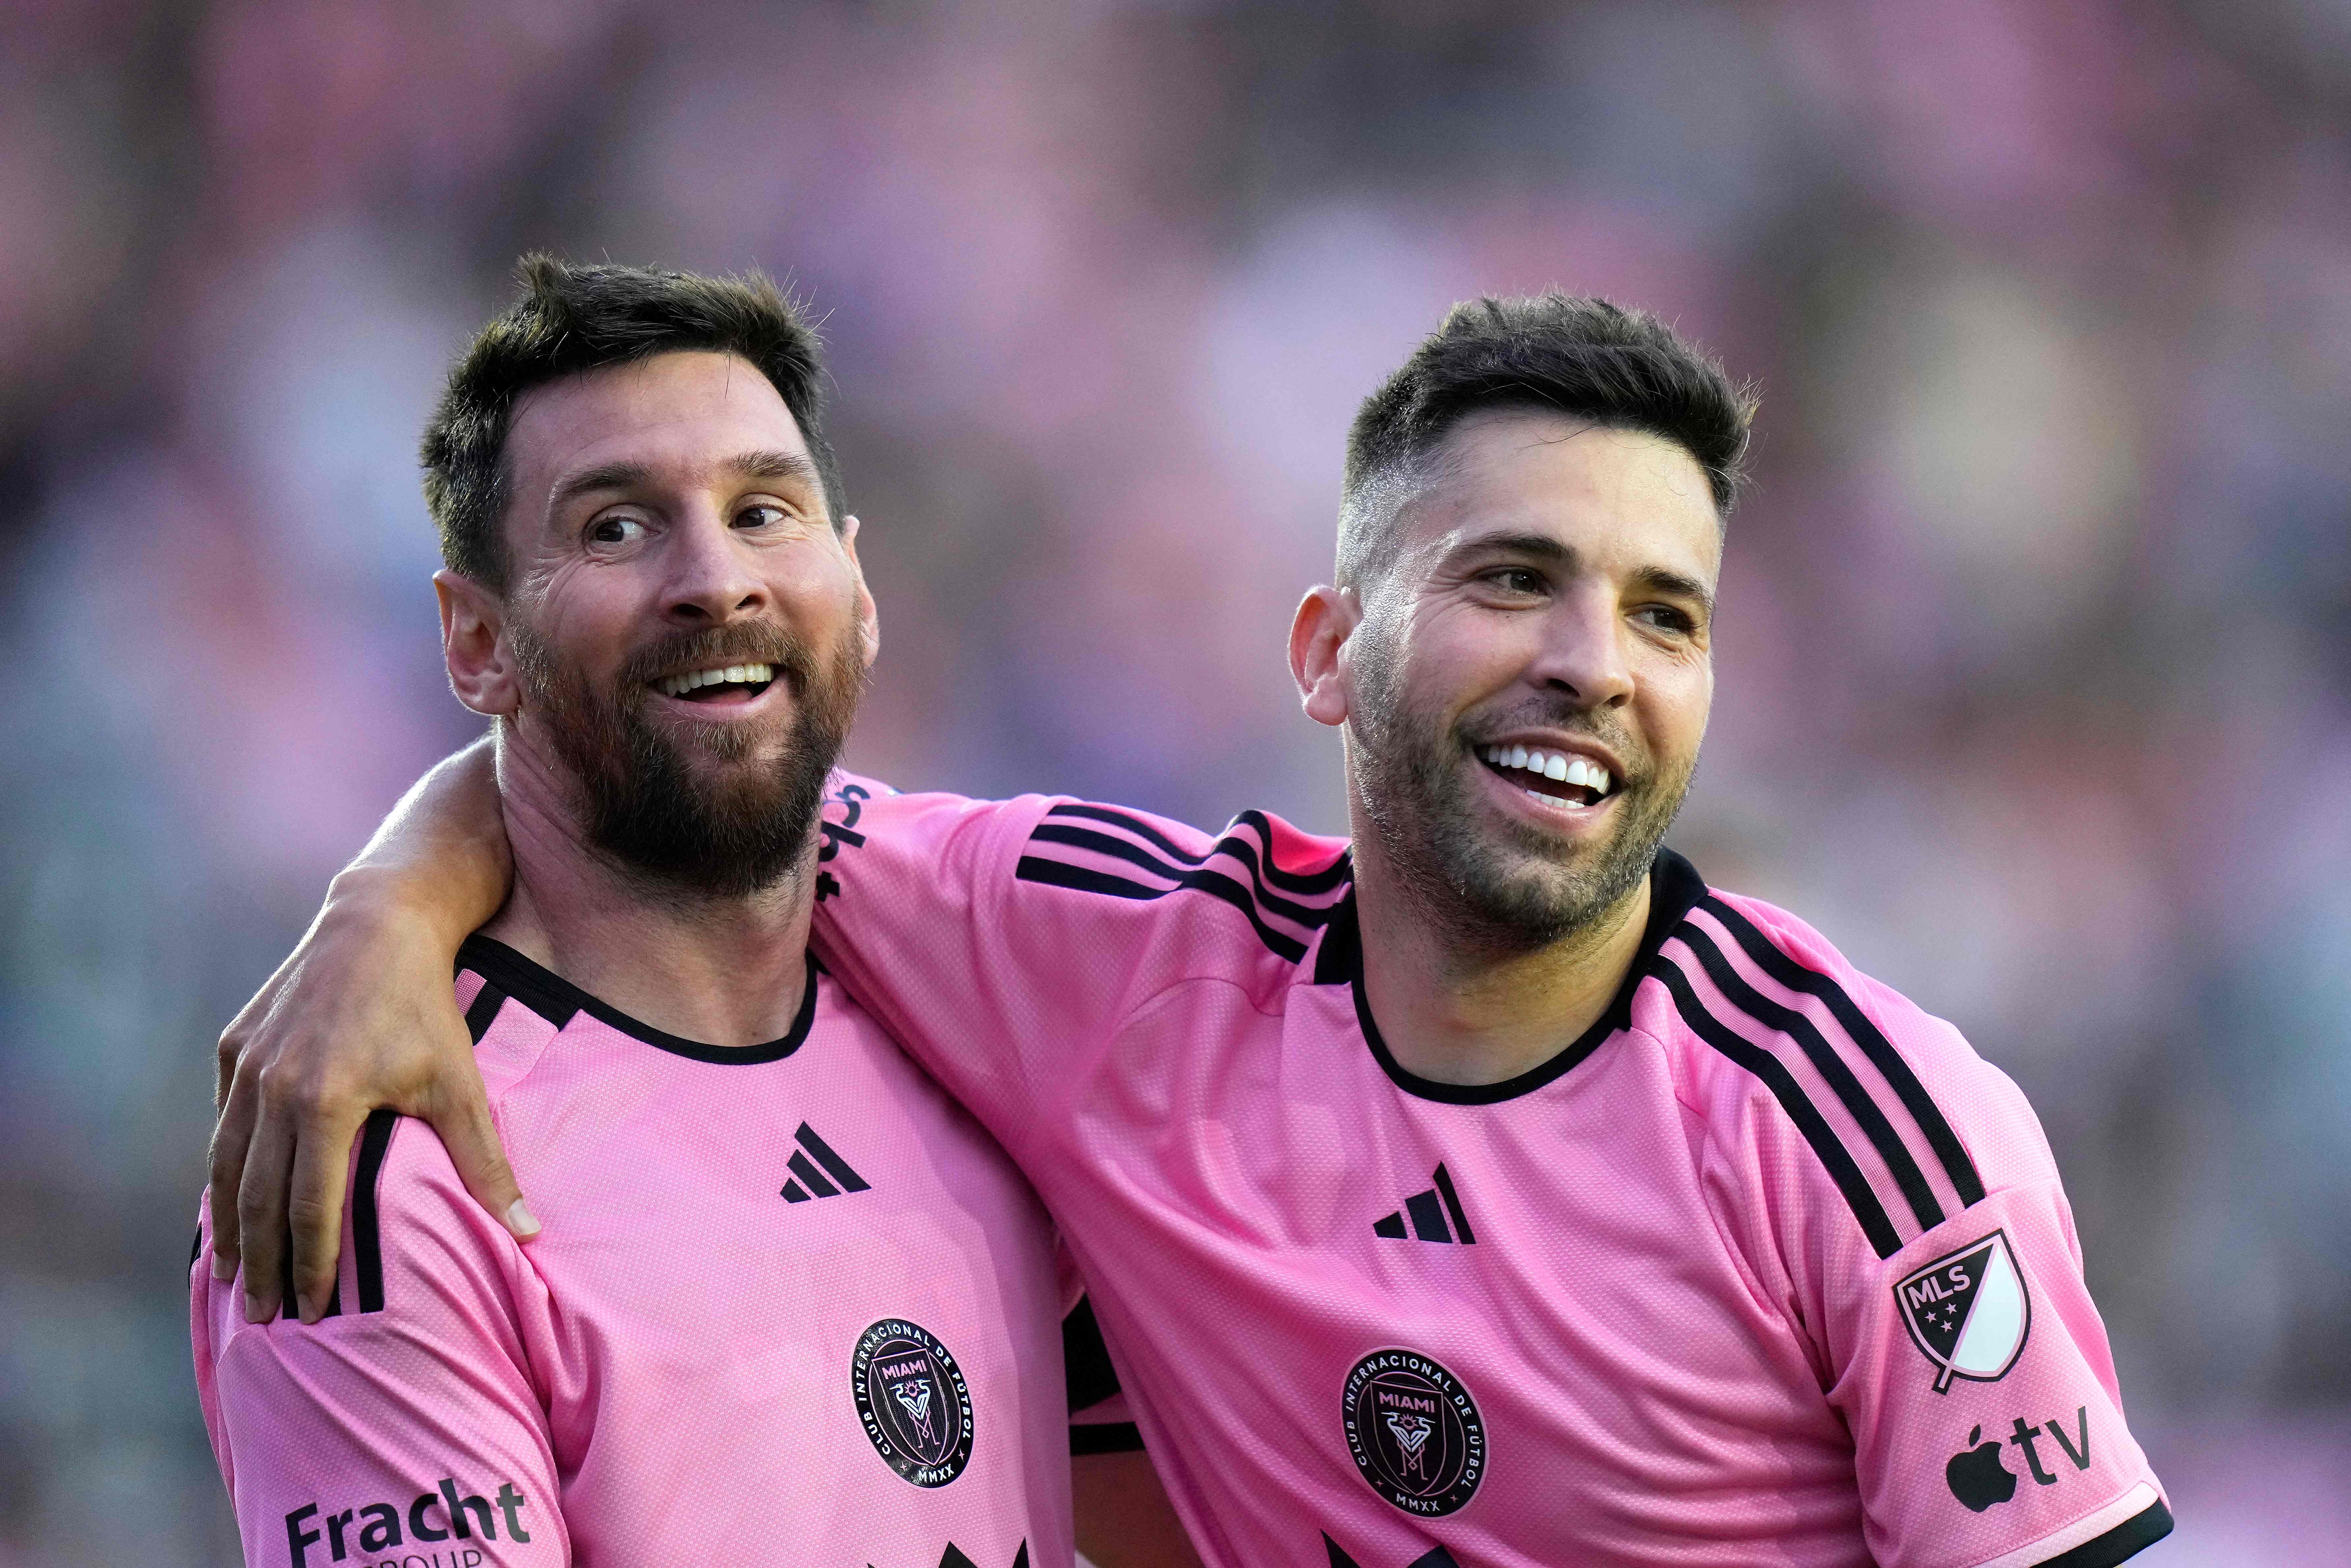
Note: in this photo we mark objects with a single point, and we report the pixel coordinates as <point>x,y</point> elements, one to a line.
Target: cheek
<point>1678,700</point>
<point>588,620</point>
<point>1457,656</point>
<point>814,587</point>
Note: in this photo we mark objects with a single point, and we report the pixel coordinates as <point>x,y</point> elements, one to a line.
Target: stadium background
<point>2035,641</point>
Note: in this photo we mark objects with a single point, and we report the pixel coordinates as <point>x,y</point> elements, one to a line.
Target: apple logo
<point>1978,1478</point>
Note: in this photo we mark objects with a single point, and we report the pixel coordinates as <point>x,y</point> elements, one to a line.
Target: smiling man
<point>1493,1193</point>
<point>791,1304</point>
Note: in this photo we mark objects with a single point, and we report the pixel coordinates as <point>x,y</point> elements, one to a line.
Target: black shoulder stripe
<point>1085,879</point>
<point>1136,855</point>
<point>197,1248</point>
<point>1834,1158</point>
<point>485,1011</point>
<point>367,1237</point>
<point>1328,878</point>
<point>1831,1066</point>
<point>1133,824</point>
<point>1957,1165</point>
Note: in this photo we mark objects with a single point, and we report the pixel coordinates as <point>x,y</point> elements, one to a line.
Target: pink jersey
<point>791,1305</point>
<point>1768,1267</point>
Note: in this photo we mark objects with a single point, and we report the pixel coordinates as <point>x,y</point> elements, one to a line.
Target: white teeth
<point>678,686</point>
<point>1557,766</point>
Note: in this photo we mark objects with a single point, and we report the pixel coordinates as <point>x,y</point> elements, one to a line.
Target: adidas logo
<point>808,1181</point>
<point>955,1557</point>
<point>1435,1557</point>
<point>1428,1212</point>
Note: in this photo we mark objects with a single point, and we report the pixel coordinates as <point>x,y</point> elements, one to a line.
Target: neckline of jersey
<point>552,997</point>
<point>1675,890</point>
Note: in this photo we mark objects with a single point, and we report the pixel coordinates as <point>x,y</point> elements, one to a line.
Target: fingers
<point>231,1134</point>
<point>314,1205</point>
<point>261,1201</point>
<point>460,1114</point>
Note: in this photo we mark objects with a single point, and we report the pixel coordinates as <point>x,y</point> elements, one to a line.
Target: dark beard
<point>710,832</point>
<point>1408,770</point>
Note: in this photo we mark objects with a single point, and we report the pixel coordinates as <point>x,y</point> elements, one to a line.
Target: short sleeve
<point>1987,1425</point>
<point>407,1420</point>
<point>1002,942</point>
<point>1969,1362</point>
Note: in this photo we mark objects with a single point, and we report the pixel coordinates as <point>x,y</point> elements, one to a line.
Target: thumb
<point>464,1122</point>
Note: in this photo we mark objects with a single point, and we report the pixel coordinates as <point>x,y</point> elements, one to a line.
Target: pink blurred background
<point>2035,643</point>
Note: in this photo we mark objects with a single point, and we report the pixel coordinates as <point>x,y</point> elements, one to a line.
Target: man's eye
<point>760,515</point>
<point>614,530</point>
<point>1665,617</point>
<point>1517,579</point>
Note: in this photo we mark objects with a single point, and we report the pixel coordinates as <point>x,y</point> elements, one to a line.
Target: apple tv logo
<point>1978,1478</point>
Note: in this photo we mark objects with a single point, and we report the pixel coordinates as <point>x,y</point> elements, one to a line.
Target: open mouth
<point>1550,776</point>
<point>723,683</point>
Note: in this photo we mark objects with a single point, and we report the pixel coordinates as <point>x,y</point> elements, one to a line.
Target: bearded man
<point>1493,1193</point>
<point>791,1302</point>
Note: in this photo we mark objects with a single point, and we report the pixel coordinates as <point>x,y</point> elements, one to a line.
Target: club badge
<point>1968,1312</point>
<point>912,1401</point>
<point>1413,1431</point>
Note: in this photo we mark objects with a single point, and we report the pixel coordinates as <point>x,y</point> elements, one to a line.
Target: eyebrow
<point>762,463</point>
<point>1545,549</point>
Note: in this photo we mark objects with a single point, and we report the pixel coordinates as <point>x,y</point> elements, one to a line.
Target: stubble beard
<point>1501,891</point>
<point>685,811</point>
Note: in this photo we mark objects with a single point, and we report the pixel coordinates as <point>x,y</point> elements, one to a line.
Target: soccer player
<point>1490,1191</point>
<point>792,1304</point>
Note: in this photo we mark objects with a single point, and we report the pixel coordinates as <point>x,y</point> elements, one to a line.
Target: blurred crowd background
<point>2036,641</point>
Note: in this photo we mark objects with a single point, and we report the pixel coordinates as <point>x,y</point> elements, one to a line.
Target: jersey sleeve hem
<point>2121,1530</point>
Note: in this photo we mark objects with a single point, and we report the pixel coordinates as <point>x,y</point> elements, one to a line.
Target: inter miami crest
<point>1413,1431</point>
<point>1969,1311</point>
<point>913,1400</point>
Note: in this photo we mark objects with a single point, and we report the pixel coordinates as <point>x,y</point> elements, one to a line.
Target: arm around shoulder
<point>361,1015</point>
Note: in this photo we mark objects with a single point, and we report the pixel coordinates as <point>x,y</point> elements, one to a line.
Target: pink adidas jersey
<point>791,1305</point>
<point>1768,1267</point>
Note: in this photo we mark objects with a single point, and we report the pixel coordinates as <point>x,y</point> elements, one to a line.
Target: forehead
<point>674,413</point>
<point>1615,496</point>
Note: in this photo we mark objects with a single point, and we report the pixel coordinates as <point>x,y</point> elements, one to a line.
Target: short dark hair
<point>570,319</point>
<point>1584,358</point>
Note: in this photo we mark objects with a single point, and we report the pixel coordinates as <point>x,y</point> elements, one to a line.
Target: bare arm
<point>1124,1519</point>
<point>361,1015</point>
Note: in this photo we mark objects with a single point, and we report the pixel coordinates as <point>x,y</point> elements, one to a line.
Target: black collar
<point>556,1000</point>
<point>1674,888</point>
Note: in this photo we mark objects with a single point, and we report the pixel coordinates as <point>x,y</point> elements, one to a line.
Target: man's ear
<point>1326,618</point>
<point>474,645</point>
<point>868,617</point>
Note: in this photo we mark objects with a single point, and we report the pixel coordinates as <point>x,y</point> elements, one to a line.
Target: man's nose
<point>1583,654</point>
<point>711,579</point>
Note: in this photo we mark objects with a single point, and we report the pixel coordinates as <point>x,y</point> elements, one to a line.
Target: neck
<point>725,971</point>
<point>1458,1007</point>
